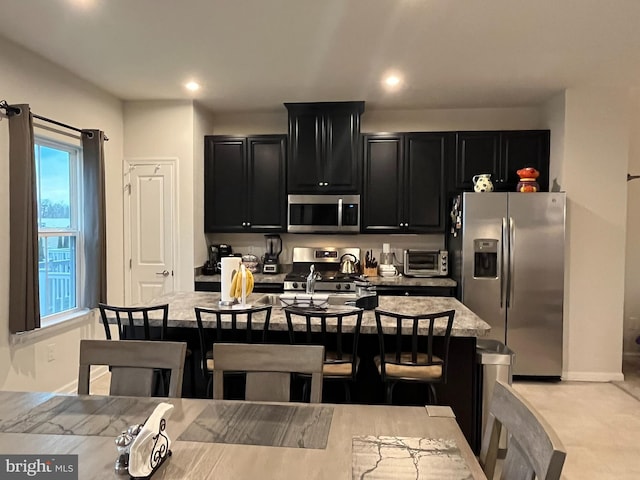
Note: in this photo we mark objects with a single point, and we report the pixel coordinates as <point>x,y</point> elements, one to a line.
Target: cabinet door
<point>305,149</point>
<point>529,148</point>
<point>341,166</point>
<point>224,176</point>
<point>425,160</point>
<point>266,183</point>
<point>383,182</point>
<point>476,152</point>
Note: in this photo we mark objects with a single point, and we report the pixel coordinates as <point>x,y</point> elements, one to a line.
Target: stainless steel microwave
<point>323,213</point>
<point>426,263</point>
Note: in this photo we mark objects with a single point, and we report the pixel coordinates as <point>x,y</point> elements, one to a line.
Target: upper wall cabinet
<point>324,154</point>
<point>244,186</point>
<point>404,182</point>
<point>501,154</point>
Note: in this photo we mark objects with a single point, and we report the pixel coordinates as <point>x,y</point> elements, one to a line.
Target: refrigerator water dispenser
<point>485,258</point>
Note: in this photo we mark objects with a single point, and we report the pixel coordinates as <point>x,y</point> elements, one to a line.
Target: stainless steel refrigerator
<point>506,251</point>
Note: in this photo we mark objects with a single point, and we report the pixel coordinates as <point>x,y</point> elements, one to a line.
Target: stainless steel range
<point>326,262</point>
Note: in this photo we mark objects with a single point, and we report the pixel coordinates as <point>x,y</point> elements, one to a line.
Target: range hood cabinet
<point>324,147</point>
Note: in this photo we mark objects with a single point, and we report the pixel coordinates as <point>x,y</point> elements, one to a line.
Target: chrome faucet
<point>311,279</point>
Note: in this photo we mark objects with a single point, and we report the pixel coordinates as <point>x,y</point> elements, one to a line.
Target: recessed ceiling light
<point>192,86</point>
<point>392,81</point>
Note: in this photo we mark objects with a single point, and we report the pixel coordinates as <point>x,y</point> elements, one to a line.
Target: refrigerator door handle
<point>503,260</point>
<point>512,241</point>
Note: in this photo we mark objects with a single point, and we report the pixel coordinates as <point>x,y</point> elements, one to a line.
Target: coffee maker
<point>274,249</point>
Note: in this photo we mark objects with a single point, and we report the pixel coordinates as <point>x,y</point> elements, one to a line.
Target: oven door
<point>323,213</point>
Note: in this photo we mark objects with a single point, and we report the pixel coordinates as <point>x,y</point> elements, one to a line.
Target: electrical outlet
<point>51,352</point>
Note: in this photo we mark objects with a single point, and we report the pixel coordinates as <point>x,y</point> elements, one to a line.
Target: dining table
<point>230,439</point>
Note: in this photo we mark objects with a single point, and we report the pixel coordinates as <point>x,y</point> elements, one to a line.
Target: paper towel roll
<point>229,266</point>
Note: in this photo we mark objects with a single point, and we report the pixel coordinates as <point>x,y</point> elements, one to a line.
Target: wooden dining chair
<point>134,324</point>
<point>338,331</point>
<point>268,369</point>
<point>418,363</point>
<point>533,447</point>
<point>132,365</point>
<point>247,325</point>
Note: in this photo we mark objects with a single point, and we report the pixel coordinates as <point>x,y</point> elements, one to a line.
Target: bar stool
<point>340,363</point>
<point>395,364</point>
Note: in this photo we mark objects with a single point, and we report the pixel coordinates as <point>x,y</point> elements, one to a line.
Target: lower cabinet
<point>257,288</point>
<point>405,182</point>
<point>245,186</point>
<point>397,290</point>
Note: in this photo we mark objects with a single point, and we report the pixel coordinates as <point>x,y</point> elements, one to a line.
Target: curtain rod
<point>9,109</point>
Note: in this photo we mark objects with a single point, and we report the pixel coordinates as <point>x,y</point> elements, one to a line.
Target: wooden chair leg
<point>432,394</point>
<point>390,386</point>
<point>347,392</point>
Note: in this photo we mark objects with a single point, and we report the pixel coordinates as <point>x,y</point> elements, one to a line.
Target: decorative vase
<point>528,181</point>
<point>482,183</point>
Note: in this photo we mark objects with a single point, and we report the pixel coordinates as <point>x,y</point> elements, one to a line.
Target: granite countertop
<point>466,323</point>
<point>398,281</point>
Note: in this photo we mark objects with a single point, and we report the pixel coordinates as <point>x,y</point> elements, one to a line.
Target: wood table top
<point>267,441</point>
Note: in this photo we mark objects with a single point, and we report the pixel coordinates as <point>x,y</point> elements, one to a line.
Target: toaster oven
<point>426,263</point>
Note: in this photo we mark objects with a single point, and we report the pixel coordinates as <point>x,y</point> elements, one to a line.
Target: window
<point>59,227</point>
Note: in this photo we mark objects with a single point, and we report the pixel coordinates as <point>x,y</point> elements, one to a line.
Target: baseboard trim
<point>592,377</point>
<point>72,387</point>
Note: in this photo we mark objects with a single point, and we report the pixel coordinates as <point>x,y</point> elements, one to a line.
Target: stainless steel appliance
<point>507,255</point>
<point>426,263</point>
<point>326,261</point>
<point>323,213</point>
<point>274,249</point>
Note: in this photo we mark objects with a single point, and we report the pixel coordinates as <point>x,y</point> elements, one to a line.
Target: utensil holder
<point>370,272</point>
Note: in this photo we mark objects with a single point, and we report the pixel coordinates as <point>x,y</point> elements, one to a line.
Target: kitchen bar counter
<point>466,323</point>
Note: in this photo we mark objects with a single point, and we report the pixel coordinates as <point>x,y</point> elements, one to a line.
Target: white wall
<point>202,125</point>
<point>165,129</point>
<point>54,93</point>
<point>632,273</point>
<point>596,150</point>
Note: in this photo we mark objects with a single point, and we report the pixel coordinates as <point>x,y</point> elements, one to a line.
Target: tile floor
<point>599,423</point>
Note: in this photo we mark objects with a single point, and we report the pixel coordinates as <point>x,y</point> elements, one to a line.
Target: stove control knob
<point>347,287</point>
<point>295,285</point>
<point>338,286</point>
<point>304,286</point>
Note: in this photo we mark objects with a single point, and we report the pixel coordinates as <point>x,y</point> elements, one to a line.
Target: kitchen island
<point>461,391</point>
<point>466,323</point>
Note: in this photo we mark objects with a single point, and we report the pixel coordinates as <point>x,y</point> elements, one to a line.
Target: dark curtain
<point>95,238</point>
<point>24,295</point>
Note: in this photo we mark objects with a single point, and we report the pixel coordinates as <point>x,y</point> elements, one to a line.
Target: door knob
<point>164,273</point>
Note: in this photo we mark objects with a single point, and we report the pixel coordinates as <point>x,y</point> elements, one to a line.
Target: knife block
<point>370,272</point>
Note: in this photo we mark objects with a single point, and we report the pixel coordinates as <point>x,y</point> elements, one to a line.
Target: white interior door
<point>151,220</point>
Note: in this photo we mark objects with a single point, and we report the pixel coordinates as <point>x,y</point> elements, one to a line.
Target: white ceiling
<point>253,55</point>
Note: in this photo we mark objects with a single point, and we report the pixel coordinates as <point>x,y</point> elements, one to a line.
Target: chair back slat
<point>533,447</point>
<point>413,323</point>
<point>251,334</point>
<point>324,321</point>
<point>133,320</point>
<point>132,363</point>
<point>268,368</point>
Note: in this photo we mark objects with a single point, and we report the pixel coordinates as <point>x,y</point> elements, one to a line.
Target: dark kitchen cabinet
<point>324,155</point>
<point>245,183</point>
<point>404,182</point>
<point>501,153</point>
